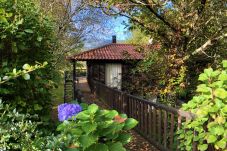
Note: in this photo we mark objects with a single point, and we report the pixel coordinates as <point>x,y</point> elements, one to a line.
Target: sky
<point>116,27</point>
<point>120,29</point>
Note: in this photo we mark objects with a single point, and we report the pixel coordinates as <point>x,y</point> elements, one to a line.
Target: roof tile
<point>110,52</point>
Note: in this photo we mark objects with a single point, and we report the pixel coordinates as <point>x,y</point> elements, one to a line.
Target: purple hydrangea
<point>66,111</point>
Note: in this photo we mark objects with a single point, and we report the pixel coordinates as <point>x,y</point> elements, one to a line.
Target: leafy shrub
<point>210,109</point>
<point>27,36</point>
<point>18,131</point>
<point>94,129</point>
<point>22,131</point>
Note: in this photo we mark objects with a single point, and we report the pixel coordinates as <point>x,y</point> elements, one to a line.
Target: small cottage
<point>109,64</point>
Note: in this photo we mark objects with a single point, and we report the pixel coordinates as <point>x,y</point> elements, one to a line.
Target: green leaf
<point>224,63</point>
<point>93,108</point>
<point>84,106</point>
<point>14,71</point>
<point>3,19</point>
<point>83,116</point>
<point>215,73</point>
<point>9,15</point>
<point>130,123</point>
<point>89,127</point>
<point>86,141</point>
<point>123,116</point>
<point>76,131</point>
<point>116,147</point>
<point>98,147</point>
<point>45,63</point>
<point>29,31</point>
<point>111,114</point>
<point>37,107</point>
<point>26,76</point>
<point>26,67</point>
<point>202,147</point>
<point>62,126</point>
<point>218,130</point>
<point>211,138</point>
<point>203,77</point>
<point>124,138</point>
<point>221,93</point>
<point>223,76</point>
<point>224,109</point>
<point>208,71</point>
<point>20,22</point>
<point>39,38</point>
<point>222,143</point>
<point>203,88</point>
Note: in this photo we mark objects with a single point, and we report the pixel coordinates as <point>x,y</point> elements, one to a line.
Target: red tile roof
<point>109,52</point>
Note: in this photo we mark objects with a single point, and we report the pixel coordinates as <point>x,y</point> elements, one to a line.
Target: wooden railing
<point>157,123</point>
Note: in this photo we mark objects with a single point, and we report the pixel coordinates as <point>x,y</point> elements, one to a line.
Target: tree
<point>189,31</point>
<point>76,22</point>
<point>138,37</point>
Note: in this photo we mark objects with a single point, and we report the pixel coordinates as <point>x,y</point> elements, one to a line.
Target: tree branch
<point>160,17</point>
<point>208,43</point>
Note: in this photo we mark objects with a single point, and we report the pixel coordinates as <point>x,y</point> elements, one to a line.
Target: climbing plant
<point>209,128</point>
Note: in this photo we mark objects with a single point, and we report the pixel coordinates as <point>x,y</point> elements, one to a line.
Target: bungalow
<point>108,64</point>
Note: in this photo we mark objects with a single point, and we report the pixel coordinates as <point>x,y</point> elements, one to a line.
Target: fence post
<point>127,106</point>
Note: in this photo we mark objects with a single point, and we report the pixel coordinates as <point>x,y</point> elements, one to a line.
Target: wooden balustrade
<point>157,123</point>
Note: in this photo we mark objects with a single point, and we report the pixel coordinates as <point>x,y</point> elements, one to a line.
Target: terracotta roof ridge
<point>100,47</point>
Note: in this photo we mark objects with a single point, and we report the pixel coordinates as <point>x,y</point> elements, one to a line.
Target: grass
<point>58,94</point>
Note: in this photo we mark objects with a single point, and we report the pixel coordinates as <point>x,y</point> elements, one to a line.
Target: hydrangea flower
<point>67,110</point>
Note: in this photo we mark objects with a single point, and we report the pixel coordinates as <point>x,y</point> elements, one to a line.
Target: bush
<point>20,131</point>
<point>27,36</point>
<point>17,131</point>
<point>94,129</point>
<point>210,109</point>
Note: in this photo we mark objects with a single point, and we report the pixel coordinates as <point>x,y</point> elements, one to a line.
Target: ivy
<point>208,129</point>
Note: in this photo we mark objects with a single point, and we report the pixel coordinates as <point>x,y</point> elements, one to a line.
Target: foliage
<point>210,109</point>
<point>95,129</point>
<point>17,132</point>
<point>138,38</point>
<point>22,131</point>
<point>188,31</point>
<point>26,37</point>
<point>76,23</point>
<point>25,72</point>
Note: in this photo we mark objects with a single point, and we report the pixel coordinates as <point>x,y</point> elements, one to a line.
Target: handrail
<point>158,123</point>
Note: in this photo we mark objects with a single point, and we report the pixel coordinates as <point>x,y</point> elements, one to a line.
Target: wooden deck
<point>138,143</point>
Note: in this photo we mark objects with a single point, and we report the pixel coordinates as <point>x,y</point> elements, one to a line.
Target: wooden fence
<point>157,123</point>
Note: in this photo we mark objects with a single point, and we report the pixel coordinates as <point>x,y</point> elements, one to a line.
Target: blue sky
<point>120,29</point>
<point>116,26</point>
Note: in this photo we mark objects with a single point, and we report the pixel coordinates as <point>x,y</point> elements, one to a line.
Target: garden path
<point>138,143</point>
